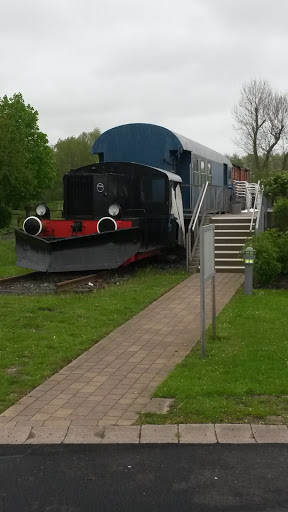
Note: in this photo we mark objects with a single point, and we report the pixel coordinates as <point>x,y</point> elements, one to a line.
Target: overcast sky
<point>178,64</point>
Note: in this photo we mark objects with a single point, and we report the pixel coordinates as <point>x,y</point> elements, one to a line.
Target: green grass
<point>8,259</point>
<point>41,334</point>
<point>245,375</point>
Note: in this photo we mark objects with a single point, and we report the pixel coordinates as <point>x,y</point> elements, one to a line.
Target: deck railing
<point>207,199</point>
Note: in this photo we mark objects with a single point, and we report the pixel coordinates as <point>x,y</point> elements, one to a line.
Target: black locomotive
<point>113,214</point>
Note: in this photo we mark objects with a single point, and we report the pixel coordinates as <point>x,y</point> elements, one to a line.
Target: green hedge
<point>271,255</point>
<point>5,217</point>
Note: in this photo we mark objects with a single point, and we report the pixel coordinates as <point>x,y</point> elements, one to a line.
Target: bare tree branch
<point>261,121</point>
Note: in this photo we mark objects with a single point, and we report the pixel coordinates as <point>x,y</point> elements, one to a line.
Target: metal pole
<point>213,309</point>
<point>202,297</point>
<point>202,307</point>
<point>248,281</point>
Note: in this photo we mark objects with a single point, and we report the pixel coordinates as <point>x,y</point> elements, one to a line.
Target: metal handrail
<point>195,211</point>
<point>200,205</point>
<point>259,215</point>
<point>193,222</point>
<point>254,209</point>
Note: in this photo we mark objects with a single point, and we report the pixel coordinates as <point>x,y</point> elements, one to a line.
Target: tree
<point>27,165</point>
<point>262,123</point>
<point>72,153</point>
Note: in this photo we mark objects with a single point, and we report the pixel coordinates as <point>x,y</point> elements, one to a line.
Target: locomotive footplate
<point>91,252</point>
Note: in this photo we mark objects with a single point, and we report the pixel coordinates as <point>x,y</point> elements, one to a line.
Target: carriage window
<point>195,172</point>
<point>209,172</point>
<point>203,172</point>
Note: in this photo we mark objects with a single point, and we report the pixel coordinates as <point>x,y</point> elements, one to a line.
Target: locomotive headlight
<point>32,226</point>
<point>114,209</point>
<point>41,210</point>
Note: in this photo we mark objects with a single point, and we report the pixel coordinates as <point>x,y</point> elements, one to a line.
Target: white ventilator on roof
<point>177,211</point>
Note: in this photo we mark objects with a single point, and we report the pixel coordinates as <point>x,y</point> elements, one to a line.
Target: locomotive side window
<point>152,190</point>
<point>158,190</point>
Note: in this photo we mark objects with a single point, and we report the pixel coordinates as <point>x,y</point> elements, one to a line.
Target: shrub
<point>5,217</point>
<point>267,264</point>
<point>283,252</point>
<point>276,185</point>
<point>280,210</point>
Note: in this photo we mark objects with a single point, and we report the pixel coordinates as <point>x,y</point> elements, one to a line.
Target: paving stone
<point>14,435</point>
<point>47,435</point>
<point>82,434</point>
<point>270,433</point>
<point>4,420</point>
<point>57,424</point>
<point>234,433</point>
<point>198,434</point>
<point>126,365</point>
<point>124,422</point>
<point>118,434</point>
<point>159,434</point>
<point>158,405</point>
<point>11,423</point>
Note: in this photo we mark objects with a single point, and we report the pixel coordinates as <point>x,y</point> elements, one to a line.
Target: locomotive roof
<point>172,176</point>
<point>150,145</point>
<point>104,166</point>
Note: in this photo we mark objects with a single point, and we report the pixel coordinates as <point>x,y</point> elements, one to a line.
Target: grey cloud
<point>178,64</point>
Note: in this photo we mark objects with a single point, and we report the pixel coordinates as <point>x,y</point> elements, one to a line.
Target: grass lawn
<point>8,259</point>
<point>41,334</point>
<point>245,375</point>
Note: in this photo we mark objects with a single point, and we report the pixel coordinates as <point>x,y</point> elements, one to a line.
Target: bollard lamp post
<point>249,258</point>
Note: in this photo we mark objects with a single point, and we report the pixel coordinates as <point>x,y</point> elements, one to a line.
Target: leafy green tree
<point>72,153</point>
<point>27,166</point>
<point>276,185</point>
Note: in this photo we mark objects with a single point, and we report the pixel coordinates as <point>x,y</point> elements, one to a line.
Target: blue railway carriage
<point>161,148</point>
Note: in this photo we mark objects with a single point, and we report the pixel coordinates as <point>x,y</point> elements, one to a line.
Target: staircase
<point>231,233</point>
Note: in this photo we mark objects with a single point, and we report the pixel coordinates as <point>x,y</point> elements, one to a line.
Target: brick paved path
<point>113,381</point>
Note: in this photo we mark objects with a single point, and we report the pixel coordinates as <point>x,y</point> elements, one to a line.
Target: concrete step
<point>233,232</point>
<point>228,262</point>
<point>227,254</point>
<point>228,240</point>
<point>229,269</point>
<point>243,226</point>
<point>226,248</point>
<point>243,219</point>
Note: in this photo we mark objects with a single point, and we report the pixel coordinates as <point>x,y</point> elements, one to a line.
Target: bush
<point>268,263</point>
<point>283,252</point>
<point>280,210</point>
<point>5,217</point>
<point>276,185</point>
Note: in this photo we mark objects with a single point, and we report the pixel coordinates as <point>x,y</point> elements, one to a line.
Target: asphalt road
<point>194,478</point>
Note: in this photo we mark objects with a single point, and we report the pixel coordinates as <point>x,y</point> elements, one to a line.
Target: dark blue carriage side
<point>159,147</point>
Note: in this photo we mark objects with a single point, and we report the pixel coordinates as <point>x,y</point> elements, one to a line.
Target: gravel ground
<point>46,283</point>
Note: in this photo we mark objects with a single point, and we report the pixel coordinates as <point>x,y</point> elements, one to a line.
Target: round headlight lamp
<point>32,226</point>
<point>41,210</point>
<point>114,209</point>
